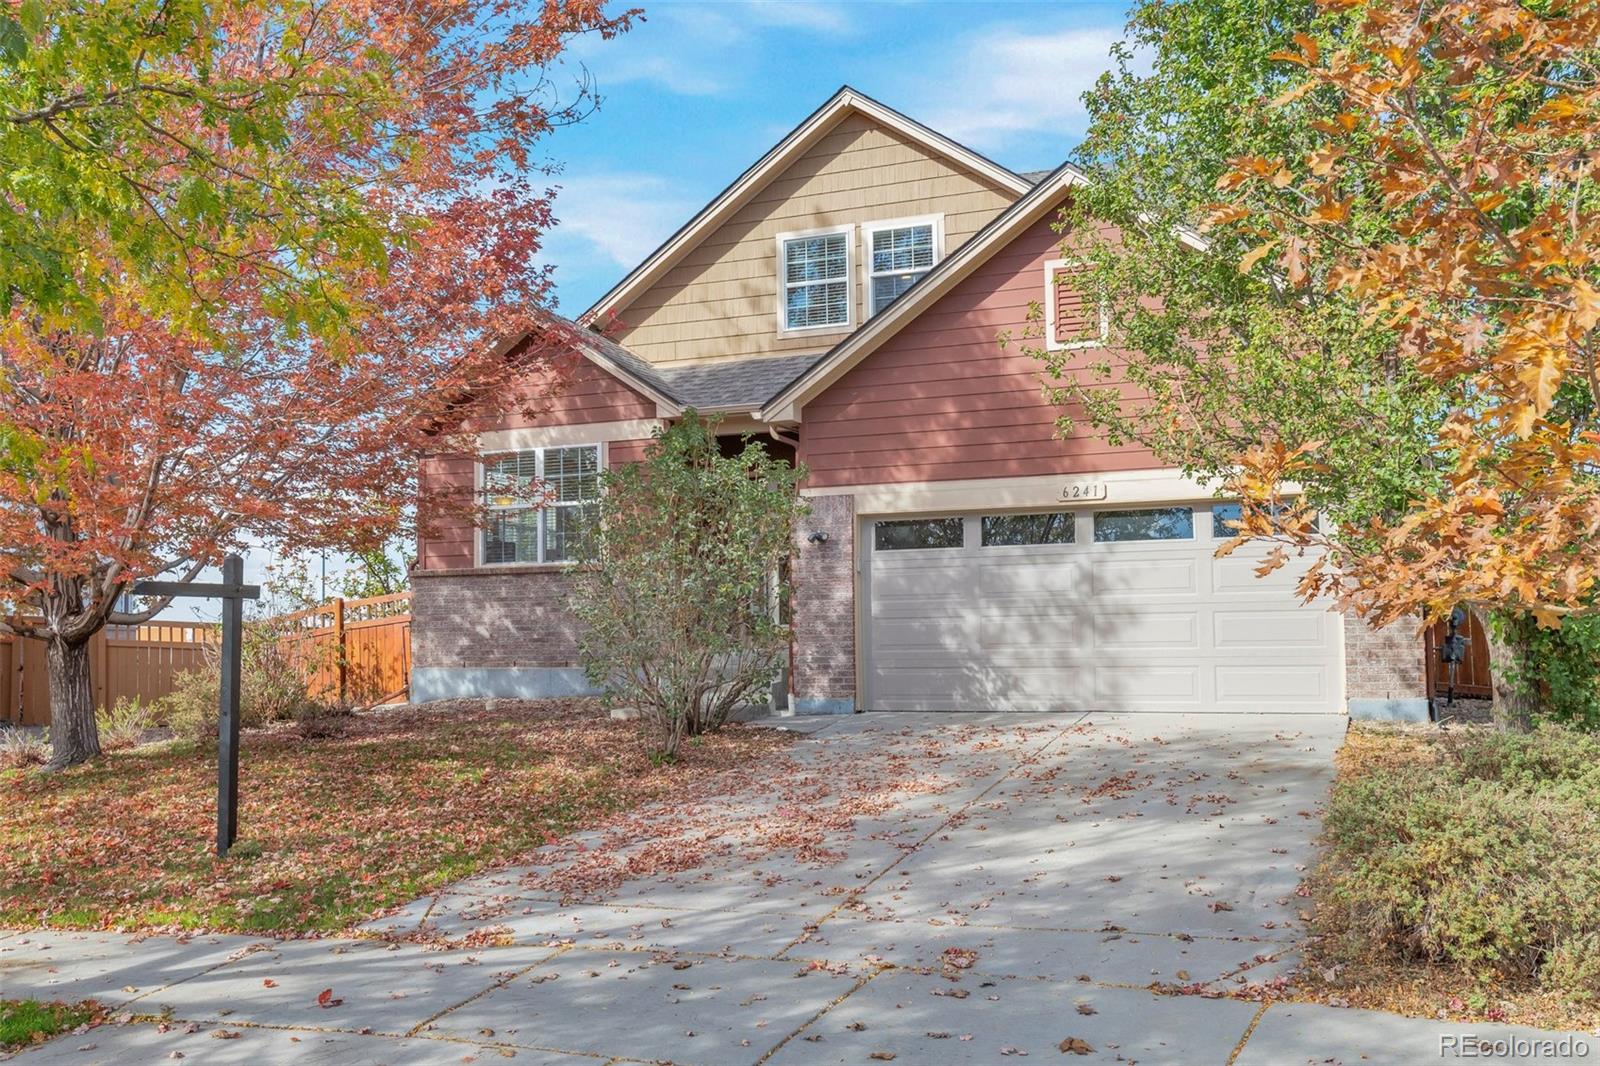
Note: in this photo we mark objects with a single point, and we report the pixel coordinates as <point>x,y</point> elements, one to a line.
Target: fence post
<point>338,645</point>
<point>101,669</point>
<point>19,684</point>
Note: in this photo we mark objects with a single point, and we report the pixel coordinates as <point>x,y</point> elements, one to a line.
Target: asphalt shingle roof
<point>738,383</point>
<point>709,386</point>
<point>630,363</point>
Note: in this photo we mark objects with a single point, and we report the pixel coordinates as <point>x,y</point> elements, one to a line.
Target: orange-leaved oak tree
<point>254,256</point>
<point>1475,125</point>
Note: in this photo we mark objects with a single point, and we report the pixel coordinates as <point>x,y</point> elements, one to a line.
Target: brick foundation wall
<point>825,608</point>
<point>500,617</point>
<point>1383,664</point>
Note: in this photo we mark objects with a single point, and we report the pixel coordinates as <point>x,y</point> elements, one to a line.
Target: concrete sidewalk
<point>978,888</point>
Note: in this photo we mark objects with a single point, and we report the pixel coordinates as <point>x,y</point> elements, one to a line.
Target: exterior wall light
<point>818,537</point>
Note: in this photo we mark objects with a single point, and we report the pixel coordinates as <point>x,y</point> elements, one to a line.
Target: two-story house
<point>843,297</point>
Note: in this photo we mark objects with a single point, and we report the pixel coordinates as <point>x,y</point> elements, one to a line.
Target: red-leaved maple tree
<point>330,224</point>
<point>1478,121</point>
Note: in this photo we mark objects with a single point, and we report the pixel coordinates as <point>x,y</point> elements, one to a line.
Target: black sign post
<point>232,592</point>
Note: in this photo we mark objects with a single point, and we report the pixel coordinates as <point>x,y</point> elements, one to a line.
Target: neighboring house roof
<point>799,140</point>
<point>1034,176</point>
<point>1045,194</point>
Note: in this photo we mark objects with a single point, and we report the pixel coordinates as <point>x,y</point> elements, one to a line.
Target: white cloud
<point>703,49</point>
<point>811,15</point>
<point>623,217</point>
<point>1006,82</point>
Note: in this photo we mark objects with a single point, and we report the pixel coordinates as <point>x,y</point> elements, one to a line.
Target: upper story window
<point>542,504</point>
<point>815,268</point>
<point>898,253</point>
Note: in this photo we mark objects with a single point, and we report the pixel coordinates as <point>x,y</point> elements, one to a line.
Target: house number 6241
<point>1095,490</point>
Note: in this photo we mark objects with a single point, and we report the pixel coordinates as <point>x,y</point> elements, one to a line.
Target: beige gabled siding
<point>721,301</point>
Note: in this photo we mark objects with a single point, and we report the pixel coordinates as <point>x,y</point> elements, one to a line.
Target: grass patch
<point>1462,876</point>
<point>24,1022</point>
<point>332,830</point>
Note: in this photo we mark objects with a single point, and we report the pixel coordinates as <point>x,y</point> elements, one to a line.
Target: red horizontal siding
<point>444,533</point>
<point>941,400</point>
<point>588,395</point>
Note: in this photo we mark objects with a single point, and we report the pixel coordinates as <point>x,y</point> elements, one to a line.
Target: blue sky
<point>699,90</point>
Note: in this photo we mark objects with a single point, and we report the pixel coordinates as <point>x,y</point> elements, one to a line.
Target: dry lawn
<point>335,829</point>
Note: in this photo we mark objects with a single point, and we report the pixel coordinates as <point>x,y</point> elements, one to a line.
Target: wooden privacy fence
<point>351,652</point>
<point>125,662</point>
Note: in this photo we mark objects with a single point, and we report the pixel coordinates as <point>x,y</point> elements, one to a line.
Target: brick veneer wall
<point>501,617</point>
<point>825,608</point>
<point>1383,664</point>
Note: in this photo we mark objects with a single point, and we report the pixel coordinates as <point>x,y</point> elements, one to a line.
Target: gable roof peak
<point>792,146</point>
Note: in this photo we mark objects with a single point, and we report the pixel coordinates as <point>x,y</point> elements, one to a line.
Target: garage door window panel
<point>1015,530</point>
<point>918,534</point>
<point>1156,523</point>
<point>1225,518</point>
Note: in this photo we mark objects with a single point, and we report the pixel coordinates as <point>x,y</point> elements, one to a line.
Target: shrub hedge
<point>1483,853</point>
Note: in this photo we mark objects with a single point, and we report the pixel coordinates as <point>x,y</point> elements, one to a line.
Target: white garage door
<point>1106,609</point>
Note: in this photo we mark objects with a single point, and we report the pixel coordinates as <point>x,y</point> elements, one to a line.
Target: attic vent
<point>1070,320</point>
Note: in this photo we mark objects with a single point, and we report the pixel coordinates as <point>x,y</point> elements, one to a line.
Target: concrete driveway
<point>927,888</point>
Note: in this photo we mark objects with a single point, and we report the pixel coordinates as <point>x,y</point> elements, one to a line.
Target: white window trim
<point>782,295</point>
<point>1052,342</point>
<point>869,228</point>
<point>481,534</point>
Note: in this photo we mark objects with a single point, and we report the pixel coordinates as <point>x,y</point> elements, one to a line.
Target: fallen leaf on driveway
<point>225,1034</point>
<point>881,1056</point>
<point>325,999</point>
<point>268,982</point>
<point>1219,905</point>
<point>1084,1008</point>
<point>1073,1046</point>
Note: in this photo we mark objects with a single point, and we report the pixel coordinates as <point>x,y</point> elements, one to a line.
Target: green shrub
<point>124,725</point>
<point>274,688</point>
<point>1561,670</point>
<point>682,616</point>
<point>1486,858</point>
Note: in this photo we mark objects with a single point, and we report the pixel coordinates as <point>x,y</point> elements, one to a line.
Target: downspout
<point>793,442</point>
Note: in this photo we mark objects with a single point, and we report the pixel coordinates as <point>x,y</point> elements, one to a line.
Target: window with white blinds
<point>542,504</point>
<point>898,253</point>
<point>816,279</point>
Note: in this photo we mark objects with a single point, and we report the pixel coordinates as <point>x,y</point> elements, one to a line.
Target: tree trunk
<point>74,737</point>
<point>1514,704</point>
